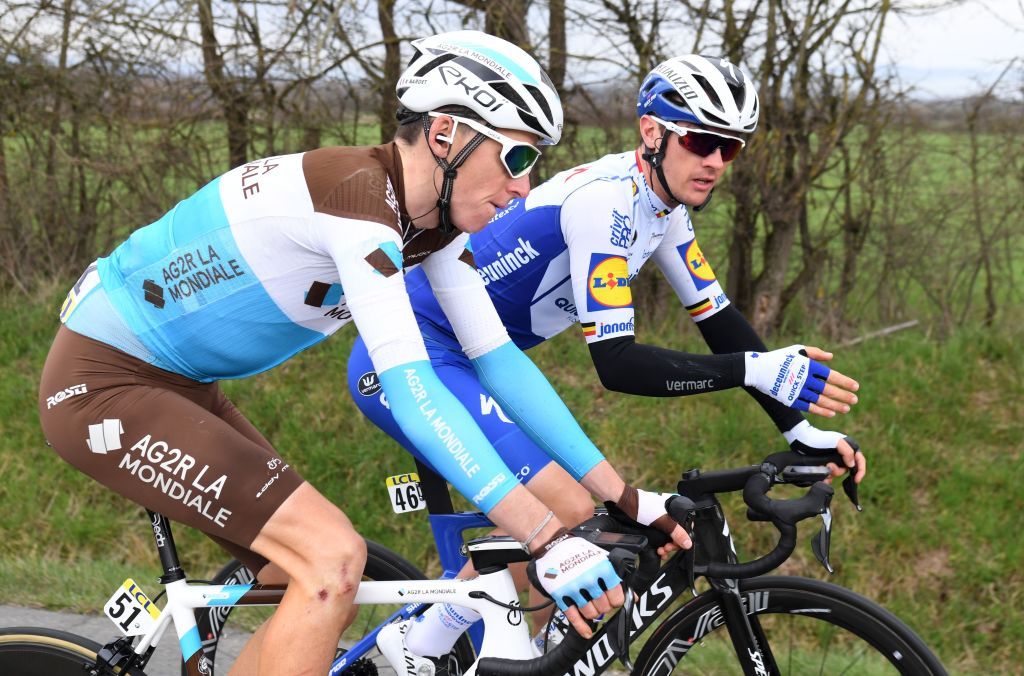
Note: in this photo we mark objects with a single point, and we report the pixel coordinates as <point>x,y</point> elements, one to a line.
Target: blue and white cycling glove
<point>787,375</point>
<point>573,571</point>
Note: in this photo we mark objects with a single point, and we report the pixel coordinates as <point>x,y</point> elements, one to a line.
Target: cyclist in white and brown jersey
<point>273,257</point>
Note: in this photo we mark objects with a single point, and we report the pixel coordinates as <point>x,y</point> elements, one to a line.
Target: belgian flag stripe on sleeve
<point>589,328</point>
<point>700,308</point>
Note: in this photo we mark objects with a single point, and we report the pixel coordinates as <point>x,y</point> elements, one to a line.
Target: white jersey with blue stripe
<point>569,252</point>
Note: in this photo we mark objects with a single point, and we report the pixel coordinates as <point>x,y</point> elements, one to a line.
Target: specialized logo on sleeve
<point>386,259</point>
<point>608,283</point>
<point>698,267</point>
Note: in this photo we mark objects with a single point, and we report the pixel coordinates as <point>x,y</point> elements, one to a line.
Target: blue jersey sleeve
<point>445,433</point>
<point>524,393</point>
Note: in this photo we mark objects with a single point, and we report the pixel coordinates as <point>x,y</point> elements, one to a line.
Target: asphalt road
<point>166,660</point>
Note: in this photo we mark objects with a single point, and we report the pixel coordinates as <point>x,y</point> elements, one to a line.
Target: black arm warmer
<point>625,366</point>
<point>729,331</point>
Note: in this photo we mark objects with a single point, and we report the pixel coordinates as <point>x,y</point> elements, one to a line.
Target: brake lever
<point>820,544</point>
<point>850,488</point>
<point>626,568</point>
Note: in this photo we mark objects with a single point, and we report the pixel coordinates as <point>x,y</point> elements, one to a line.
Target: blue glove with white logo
<point>572,571</point>
<point>788,375</point>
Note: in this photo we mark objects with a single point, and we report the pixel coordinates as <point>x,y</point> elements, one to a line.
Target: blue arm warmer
<point>525,394</point>
<point>444,431</point>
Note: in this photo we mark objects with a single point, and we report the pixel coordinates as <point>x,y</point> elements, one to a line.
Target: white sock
<point>435,632</point>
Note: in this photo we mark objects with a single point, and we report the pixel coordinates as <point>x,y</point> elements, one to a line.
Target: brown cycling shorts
<point>164,441</point>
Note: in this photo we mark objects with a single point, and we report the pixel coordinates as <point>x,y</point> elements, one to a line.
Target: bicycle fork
<point>739,613</point>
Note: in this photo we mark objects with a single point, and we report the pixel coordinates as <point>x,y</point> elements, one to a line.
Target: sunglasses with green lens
<point>517,156</point>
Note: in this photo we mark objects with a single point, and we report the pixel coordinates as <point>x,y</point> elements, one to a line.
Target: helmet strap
<point>450,169</point>
<point>700,207</point>
<point>656,158</point>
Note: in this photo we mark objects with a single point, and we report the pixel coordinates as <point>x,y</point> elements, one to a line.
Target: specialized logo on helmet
<point>608,283</point>
<point>698,267</point>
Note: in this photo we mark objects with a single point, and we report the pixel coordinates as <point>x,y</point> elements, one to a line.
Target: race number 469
<point>405,492</point>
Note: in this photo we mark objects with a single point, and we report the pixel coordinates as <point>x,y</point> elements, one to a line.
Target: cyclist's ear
<point>441,136</point>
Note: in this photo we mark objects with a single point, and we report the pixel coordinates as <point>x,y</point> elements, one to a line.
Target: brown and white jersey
<point>268,259</point>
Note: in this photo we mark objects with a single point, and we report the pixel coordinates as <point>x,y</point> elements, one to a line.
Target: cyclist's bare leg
<point>302,635</point>
<point>571,503</point>
<point>248,660</point>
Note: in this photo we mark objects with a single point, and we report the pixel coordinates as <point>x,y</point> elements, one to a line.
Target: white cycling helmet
<point>704,90</point>
<point>497,80</point>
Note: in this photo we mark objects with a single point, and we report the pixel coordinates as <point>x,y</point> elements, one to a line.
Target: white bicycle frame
<point>505,632</point>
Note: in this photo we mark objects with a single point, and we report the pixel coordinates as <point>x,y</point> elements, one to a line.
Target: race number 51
<point>405,492</point>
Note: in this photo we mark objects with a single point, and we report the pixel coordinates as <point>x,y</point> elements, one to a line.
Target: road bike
<point>742,623</point>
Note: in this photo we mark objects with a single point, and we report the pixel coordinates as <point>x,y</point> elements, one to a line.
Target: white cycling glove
<point>569,567</point>
<point>806,438</point>
<point>786,375</point>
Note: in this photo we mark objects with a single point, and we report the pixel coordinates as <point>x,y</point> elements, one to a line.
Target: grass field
<point>938,542</point>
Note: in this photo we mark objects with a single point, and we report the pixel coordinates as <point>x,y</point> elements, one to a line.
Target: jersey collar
<point>649,198</point>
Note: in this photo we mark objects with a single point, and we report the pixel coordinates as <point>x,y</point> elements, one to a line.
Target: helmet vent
<point>708,89</point>
<point>739,94</point>
<point>716,120</point>
<point>434,63</point>
<point>541,101</point>
<point>532,123</point>
<point>675,99</point>
<point>506,90</point>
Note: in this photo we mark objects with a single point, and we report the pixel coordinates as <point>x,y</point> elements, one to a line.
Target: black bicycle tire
<point>875,625</point>
<point>381,564</point>
<point>38,651</point>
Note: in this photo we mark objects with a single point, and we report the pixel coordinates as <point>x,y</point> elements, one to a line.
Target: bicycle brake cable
<point>508,606</point>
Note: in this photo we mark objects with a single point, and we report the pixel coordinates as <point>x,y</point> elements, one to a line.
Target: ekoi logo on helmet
<point>608,283</point>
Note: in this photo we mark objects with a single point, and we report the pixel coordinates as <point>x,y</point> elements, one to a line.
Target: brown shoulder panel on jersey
<point>362,183</point>
<point>425,243</point>
<point>467,257</point>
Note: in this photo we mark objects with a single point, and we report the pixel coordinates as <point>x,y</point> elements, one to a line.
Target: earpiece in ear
<point>442,137</point>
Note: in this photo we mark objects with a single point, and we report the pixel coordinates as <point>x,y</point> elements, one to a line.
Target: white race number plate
<point>131,610</point>
<point>405,492</point>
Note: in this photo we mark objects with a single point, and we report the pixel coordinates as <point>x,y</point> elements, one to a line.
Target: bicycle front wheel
<point>34,651</point>
<point>225,630</point>
<point>809,627</point>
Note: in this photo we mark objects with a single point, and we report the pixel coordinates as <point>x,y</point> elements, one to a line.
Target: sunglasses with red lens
<point>704,142</point>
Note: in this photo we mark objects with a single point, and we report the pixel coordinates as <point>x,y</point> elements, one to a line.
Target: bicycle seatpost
<point>165,546</point>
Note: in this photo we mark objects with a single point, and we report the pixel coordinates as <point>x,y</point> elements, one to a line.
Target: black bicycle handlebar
<point>695,492</point>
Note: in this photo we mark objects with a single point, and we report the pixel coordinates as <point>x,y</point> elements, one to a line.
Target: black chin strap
<point>656,158</point>
<point>450,169</point>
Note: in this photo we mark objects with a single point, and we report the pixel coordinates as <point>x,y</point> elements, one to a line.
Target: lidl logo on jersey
<point>698,267</point>
<point>608,283</point>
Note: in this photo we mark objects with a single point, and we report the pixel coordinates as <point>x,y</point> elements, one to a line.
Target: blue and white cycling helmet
<point>704,90</point>
<point>495,79</point>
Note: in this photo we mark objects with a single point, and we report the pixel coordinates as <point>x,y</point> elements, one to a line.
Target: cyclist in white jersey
<point>568,253</point>
<point>275,256</point>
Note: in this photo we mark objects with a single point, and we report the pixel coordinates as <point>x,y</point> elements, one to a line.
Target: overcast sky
<point>960,50</point>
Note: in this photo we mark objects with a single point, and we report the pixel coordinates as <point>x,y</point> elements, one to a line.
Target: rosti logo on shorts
<point>698,267</point>
<point>608,283</point>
